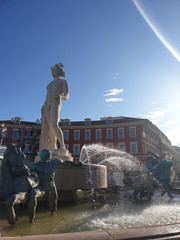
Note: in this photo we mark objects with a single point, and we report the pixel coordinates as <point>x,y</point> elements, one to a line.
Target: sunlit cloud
<point>155,29</point>
<point>114,99</point>
<point>167,119</point>
<point>168,123</point>
<point>155,116</point>
<point>113,92</point>
<point>173,134</point>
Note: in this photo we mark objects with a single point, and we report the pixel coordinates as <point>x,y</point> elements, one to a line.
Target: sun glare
<point>155,29</point>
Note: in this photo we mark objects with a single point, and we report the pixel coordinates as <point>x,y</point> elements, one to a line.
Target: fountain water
<point>118,163</point>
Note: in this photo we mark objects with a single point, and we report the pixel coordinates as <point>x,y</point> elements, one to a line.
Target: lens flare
<point>155,29</point>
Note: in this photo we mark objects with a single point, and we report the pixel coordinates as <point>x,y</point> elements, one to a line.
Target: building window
<point>66,122</point>
<point>98,134</point>
<point>15,134</point>
<point>132,132</point>
<point>28,148</point>
<point>133,146</point>
<point>76,149</point>
<point>110,145</point>
<point>109,121</point>
<point>66,134</point>
<point>38,133</point>
<point>76,134</point>
<point>109,133</point>
<point>121,146</point>
<point>17,120</point>
<point>87,121</point>
<point>120,132</point>
<point>87,134</point>
<point>28,133</point>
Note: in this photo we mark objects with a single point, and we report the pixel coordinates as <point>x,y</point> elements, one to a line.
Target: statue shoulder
<point>65,82</point>
<point>50,85</point>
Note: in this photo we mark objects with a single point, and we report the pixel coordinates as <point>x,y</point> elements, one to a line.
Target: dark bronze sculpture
<point>15,181</point>
<point>17,186</point>
<point>45,170</point>
<point>155,175</point>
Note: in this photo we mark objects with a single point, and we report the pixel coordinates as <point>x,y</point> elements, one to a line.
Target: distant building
<point>176,160</point>
<point>176,153</point>
<point>133,135</point>
<point>26,134</point>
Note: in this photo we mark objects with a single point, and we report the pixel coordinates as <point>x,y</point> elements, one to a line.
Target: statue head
<point>57,70</point>
<point>45,155</point>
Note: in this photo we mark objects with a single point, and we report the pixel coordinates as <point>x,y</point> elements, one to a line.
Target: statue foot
<point>63,150</point>
<point>12,221</point>
<point>31,220</point>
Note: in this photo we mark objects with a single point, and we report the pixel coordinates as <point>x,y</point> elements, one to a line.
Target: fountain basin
<point>87,177</point>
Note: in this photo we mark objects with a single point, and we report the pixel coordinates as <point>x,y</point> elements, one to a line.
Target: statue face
<point>45,155</point>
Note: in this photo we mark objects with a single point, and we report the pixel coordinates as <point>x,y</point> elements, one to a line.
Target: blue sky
<point>121,58</point>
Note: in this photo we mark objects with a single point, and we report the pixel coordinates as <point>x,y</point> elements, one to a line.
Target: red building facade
<point>133,135</point>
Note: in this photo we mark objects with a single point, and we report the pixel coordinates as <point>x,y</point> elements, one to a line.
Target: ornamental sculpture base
<point>60,153</point>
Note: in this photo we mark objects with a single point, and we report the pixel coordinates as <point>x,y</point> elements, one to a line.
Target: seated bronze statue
<point>18,186</point>
<point>15,181</point>
<point>45,170</point>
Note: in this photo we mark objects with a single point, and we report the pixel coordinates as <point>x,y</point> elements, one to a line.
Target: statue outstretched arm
<point>57,162</point>
<point>61,163</point>
<point>154,155</point>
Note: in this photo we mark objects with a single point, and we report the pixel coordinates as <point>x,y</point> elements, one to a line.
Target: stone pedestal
<point>60,153</point>
<point>87,177</point>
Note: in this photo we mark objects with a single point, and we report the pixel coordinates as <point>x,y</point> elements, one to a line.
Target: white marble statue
<point>57,90</point>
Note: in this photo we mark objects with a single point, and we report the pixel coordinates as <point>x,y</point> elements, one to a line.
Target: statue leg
<point>52,139</point>
<point>54,120</point>
<point>52,199</point>
<point>12,200</point>
<point>166,187</point>
<point>44,134</point>
<point>32,203</point>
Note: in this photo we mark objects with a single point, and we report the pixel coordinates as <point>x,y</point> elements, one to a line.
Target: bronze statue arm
<point>154,155</point>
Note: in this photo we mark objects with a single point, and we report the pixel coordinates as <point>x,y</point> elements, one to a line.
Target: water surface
<point>116,211</point>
